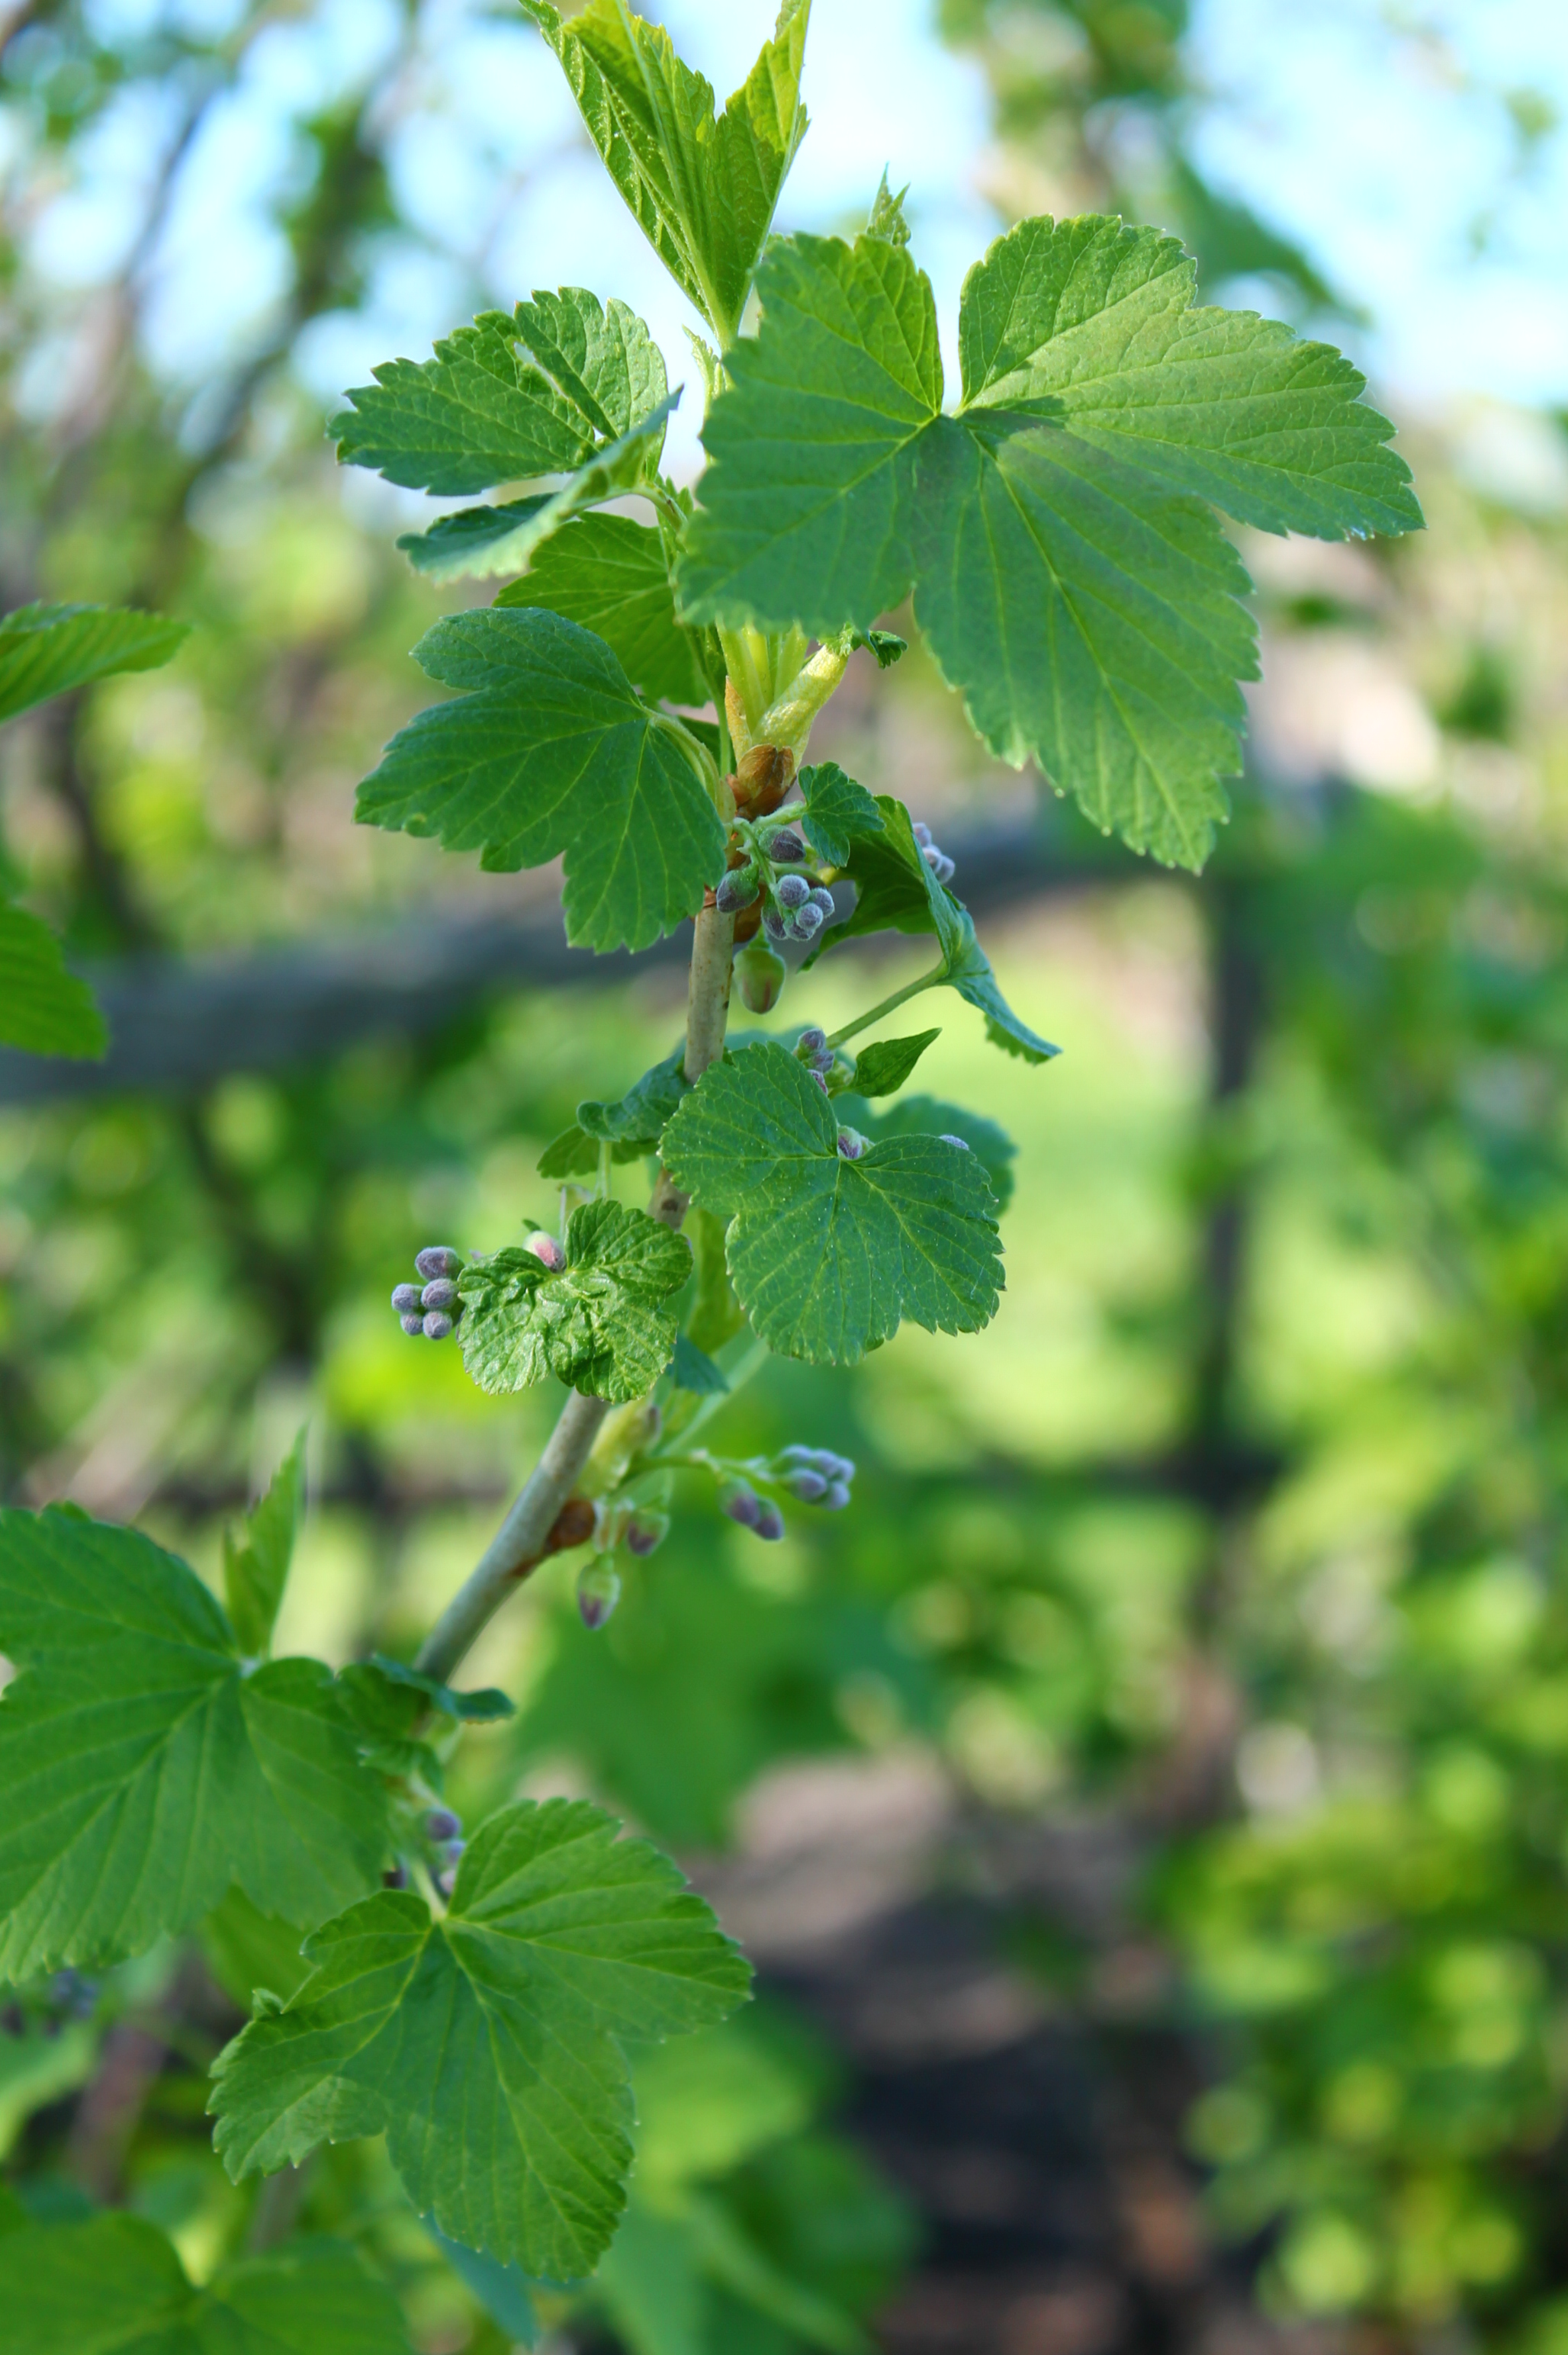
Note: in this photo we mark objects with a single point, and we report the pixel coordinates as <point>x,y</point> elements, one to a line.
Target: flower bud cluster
<point>443,1830</point>
<point>799,910</point>
<point>432,1306</point>
<point>812,1050</point>
<point>935,858</point>
<point>742,1504</point>
<point>815,1475</point>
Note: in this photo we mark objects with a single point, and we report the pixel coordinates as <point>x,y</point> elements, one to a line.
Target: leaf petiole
<point>931,980</point>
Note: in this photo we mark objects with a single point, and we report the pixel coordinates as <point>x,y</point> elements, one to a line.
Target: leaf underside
<point>1058,532</point>
<point>485,2045</point>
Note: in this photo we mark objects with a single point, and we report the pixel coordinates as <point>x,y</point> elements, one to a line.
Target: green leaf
<point>807,511</point>
<point>696,1371</point>
<point>716,1315</point>
<point>550,753</point>
<point>247,1950</point>
<point>1070,574</point>
<point>703,192</point>
<point>502,2290</point>
<point>609,575</point>
<point>495,539</point>
<point>509,398</point>
<point>48,649</point>
<point>1093,321</point>
<point>885,645</point>
<point>573,1153</point>
<point>482,1707</point>
<point>43,1008</point>
<point>650,2286</point>
<point>639,1118</point>
<point>828,1255</point>
<point>113,2285</point>
<point>881,1069</point>
<point>931,1116</point>
<point>838,812</point>
<point>896,890</point>
<point>256,1568</point>
<point>143,1770</point>
<point>603,1324</point>
<point>485,2045</point>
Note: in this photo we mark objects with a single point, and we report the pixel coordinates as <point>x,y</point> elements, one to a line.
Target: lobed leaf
<point>114,2285</point>
<point>932,1117</point>
<point>256,1568</point>
<point>44,1007</point>
<point>605,1324</point>
<point>48,649</point>
<point>702,191</point>
<point>551,753</point>
<point>1070,573</point>
<point>838,812</point>
<point>144,1769</point>
<point>486,2045</point>
<point>608,574</point>
<point>829,1255</point>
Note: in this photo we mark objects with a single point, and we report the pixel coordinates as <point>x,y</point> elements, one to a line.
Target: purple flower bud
<point>822,897</point>
<point>941,865</point>
<point>438,1259</point>
<point>740,1503</point>
<point>851,1144</point>
<point>807,921</point>
<point>442,1294</point>
<point>809,1486</point>
<point>412,1322</point>
<point>824,1060</point>
<point>798,1452</point>
<point>440,1823</point>
<point>546,1249</point>
<point>821,1079</point>
<point>405,1297</point>
<point>923,834</point>
<point>946,1137</point>
<point>786,848</point>
<point>838,1497</point>
<point>446,1882</point>
<point>452,1853</point>
<point>737,890</point>
<point>810,1043</point>
<point>598,1592</point>
<point>437,1325</point>
<point>646,1531</point>
<point>792,891</point>
<point>769,1524</point>
<point>837,1467</point>
<point>775,926</point>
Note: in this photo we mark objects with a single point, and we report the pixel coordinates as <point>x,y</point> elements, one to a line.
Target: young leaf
<point>639,1118</point>
<point>143,1770</point>
<point>694,1370</point>
<point>608,574</point>
<point>828,1254</point>
<point>703,192</point>
<point>930,1116</point>
<point>485,411</point>
<point>605,1324</point>
<point>256,1567</point>
<point>551,751</point>
<point>43,1008</point>
<point>573,1153</point>
<point>838,812</point>
<point>48,649</point>
<point>114,2285</point>
<point>481,1707</point>
<point>485,2045</point>
<point>1069,575</point>
<point>485,541</point>
<point>881,1069</point>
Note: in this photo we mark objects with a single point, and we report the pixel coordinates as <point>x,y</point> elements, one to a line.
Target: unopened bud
<point>821,897</point>
<point>598,1592</point>
<point>851,1144</point>
<point>437,1325</point>
<point>446,1882</point>
<point>740,1503</point>
<point>824,1060</point>
<point>810,1043</point>
<point>442,1294</point>
<point>737,890</point>
<point>440,1823</point>
<point>412,1322</point>
<point>438,1259</point>
<point>405,1297</point>
<point>921,834</point>
<point>807,921</point>
<point>946,1137</point>
<point>809,1487</point>
<point>821,1079</point>
<point>838,1497</point>
<point>760,975</point>
<point>941,865</point>
<point>769,1524</point>
<point>792,890</point>
<point>786,848</point>
<point>646,1531</point>
<point>775,926</point>
<point>546,1249</point>
<point>452,1853</point>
